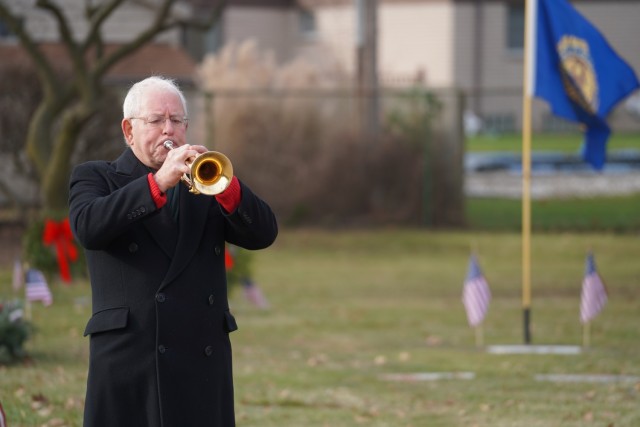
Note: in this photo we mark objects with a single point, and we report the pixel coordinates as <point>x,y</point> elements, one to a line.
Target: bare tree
<point>68,105</point>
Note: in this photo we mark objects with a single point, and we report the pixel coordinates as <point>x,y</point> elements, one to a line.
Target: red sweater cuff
<point>159,198</point>
<point>229,199</point>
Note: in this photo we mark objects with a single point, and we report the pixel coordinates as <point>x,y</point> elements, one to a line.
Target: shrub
<point>14,331</point>
<point>240,267</point>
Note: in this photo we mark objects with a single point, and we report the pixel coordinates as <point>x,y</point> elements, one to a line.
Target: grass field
<point>568,142</point>
<point>350,307</point>
<point>620,214</point>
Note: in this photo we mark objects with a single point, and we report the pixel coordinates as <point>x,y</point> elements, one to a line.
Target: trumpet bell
<point>211,173</point>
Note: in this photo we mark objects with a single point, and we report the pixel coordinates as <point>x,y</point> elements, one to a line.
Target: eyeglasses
<point>159,121</point>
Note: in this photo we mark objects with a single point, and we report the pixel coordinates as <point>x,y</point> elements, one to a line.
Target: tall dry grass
<point>292,132</point>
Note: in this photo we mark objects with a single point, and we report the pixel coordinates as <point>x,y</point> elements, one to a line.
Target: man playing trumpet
<point>160,353</point>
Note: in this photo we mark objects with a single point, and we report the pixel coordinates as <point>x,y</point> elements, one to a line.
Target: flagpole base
<point>527,325</point>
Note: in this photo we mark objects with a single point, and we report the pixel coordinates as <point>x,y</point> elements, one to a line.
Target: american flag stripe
<point>594,292</point>
<point>475,294</point>
<point>36,288</point>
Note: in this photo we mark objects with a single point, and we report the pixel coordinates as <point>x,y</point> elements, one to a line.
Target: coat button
<point>133,247</point>
<point>217,250</point>
<point>160,297</point>
<point>161,349</point>
<point>211,299</point>
<point>208,351</point>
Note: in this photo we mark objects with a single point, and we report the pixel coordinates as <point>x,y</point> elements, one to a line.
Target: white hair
<point>131,105</point>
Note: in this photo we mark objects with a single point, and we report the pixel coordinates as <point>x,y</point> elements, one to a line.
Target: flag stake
<point>479,336</point>
<point>586,334</point>
<point>27,309</point>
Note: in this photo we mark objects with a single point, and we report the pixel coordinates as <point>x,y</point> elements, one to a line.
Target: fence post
<point>446,169</point>
<point>428,206</point>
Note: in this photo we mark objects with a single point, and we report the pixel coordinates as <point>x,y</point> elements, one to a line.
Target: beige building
<point>473,45</point>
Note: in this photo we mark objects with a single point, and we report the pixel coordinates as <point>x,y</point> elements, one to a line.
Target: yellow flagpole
<point>526,170</point>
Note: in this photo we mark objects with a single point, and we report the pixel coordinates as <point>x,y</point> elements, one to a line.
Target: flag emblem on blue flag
<point>577,72</point>
<point>475,293</point>
<point>594,292</point>
<point>36,288</point>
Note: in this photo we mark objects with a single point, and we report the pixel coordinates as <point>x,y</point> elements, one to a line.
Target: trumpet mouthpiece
<point>168,144</point>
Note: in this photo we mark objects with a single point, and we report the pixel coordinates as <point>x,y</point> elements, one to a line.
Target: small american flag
<point>254,294</point>
<point>36,288</point>
<point>475,294</point>
<point>594,292</point>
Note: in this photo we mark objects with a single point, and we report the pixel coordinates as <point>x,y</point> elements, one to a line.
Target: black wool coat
<point>160,354</point>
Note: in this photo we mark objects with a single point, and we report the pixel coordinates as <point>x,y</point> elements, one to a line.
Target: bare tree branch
<point>158,26</point>
<point>42,64</point>
<point>97,18</point>
<point>65,31</point>
<point>75,54</point>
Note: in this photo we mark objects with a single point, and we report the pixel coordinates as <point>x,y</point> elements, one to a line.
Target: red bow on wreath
<point>59,233</point>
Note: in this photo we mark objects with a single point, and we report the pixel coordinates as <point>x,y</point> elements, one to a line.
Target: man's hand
<point>175,165</point>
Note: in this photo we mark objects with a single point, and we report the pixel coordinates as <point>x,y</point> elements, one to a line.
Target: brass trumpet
<point>210,173</point>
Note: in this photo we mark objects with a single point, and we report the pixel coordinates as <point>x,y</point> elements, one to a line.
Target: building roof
<point>150,59</point>
<point>156,59</point>
<point>237,3</point>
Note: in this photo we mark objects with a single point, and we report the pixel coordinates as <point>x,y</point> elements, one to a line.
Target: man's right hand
<point>175,165</point>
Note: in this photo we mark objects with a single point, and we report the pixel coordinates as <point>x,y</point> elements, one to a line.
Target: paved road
<point>558,185</point>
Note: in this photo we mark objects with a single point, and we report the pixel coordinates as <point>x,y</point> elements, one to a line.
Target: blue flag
<point>578,73</point>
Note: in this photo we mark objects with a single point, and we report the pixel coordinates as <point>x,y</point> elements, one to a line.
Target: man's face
<point>159,119</point>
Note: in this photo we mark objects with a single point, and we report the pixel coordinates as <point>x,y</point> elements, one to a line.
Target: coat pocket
<point>107,320</point>
<point>230,324</point>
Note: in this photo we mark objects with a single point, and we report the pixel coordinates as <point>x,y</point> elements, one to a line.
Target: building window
<point>307,23</point>
<point>515,27</point>
<point>6,35</point>
<point>5,32</point>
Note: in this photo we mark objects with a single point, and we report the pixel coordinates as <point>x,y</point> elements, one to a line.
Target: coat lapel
<point>159,224</point>
<point>191,222</point>
<point>163,230</point>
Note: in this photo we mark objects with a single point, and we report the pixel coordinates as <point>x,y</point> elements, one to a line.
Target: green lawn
<point>351,307</point>
<point>569,142</point>
<point>612,214</point>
